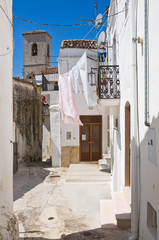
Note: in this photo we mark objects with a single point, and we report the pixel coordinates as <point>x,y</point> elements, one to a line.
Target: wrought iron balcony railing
<point>108,81</point>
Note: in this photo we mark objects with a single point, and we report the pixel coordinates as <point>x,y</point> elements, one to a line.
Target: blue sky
<point>55,12</point>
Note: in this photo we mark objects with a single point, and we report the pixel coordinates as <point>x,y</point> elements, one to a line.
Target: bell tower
<point>36,52</point>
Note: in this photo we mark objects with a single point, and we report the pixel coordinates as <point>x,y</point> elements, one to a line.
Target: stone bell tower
<point>36,52</point>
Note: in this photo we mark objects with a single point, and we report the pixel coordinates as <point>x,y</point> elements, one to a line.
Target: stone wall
<point>32,64</point>
<point>27,115</point>
<point>69,154</point>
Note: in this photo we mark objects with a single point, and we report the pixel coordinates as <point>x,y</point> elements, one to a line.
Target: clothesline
<point>70,81</point>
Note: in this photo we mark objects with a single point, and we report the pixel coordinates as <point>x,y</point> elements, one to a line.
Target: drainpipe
<point>146,63</point>
<point>135,156</point>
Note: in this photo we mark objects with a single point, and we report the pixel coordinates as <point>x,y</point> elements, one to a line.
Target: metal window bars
<point>108,83</point>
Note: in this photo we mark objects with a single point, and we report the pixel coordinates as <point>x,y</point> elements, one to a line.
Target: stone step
<point>107,214</point>
<point>122,210</point>
<point>87,180</point>
<point>127,193</point>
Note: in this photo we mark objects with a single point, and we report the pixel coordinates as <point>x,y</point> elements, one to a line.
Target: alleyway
<point>62,203</point>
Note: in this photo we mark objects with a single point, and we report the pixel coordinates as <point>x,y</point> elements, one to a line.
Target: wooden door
<point>96,142</point>
<point>85,142</point>
<point>91,138</point>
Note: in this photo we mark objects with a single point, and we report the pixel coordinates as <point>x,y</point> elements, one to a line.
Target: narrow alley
<point>62,203</point>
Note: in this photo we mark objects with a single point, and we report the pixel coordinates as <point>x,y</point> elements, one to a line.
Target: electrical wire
<point>65,25</point>
<point>6,15</point>
<point>93,26</point>
<point>88,32</point>
<point>1,55</point>
<point>53,25</point>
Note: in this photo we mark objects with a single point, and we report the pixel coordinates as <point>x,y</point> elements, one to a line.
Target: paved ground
<point>62,203</point>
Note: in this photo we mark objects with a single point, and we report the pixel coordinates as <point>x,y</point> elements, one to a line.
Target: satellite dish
<point>99,20</point>
<point>101,39</point>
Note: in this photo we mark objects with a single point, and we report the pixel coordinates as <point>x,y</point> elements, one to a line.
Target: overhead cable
<point>6,15</point>
<point>65,25</point>
<point>53,25</point>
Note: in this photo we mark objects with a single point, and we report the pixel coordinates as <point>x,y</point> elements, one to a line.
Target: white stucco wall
<point>74,129</point>
<point>149,170</point>
<point>120,30</point>
<point>6,124</point>
<point>68,58</point>
<point>149,154</point>
<point>51,129</point>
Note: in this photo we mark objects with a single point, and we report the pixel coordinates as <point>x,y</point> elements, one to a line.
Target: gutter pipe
<point>146,63</point>
<point>136,143</point>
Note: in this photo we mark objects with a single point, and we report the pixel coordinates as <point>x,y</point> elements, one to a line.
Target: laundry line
<point>75,80</point>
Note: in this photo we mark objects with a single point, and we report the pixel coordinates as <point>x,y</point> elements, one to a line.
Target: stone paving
<point>62,203</point>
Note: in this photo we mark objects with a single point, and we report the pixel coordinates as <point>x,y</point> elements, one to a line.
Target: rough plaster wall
<point>28,118</point>
<point>8,225</point>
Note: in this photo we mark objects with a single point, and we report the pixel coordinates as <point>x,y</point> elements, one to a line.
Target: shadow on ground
<point>28,176</point>
<point>95,234</point>
<point>99,234</point>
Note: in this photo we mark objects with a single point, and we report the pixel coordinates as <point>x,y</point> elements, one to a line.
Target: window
<point>34,49</point>
<point>48,50</point>
<point>92,78</point>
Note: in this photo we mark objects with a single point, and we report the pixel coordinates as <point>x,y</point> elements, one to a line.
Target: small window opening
<point>34,49</point>
<point>92,79</point>
<point>48,50</point>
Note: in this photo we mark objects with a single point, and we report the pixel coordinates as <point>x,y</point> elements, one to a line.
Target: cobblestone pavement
<point>62,203</point>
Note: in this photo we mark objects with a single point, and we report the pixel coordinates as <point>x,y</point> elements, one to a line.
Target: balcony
<point>108,86</point>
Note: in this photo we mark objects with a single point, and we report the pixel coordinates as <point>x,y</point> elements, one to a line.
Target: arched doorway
<point>127,144</point>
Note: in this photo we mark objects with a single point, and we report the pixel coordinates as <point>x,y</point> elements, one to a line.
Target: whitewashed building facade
<point>78,142</point>
<point>8,222</point>
<point>133,36</point>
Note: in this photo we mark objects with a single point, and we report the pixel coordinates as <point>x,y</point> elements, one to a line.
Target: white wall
<point>74,129</point>
<point>6,112</point>
<point>120,30</point>
<point>6,122</point>
<point>148,168</point>
<point>68,58</point>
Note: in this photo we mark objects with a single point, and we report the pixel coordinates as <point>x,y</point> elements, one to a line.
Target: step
<point>107,214</point>
<point>122,210</point>
<point>104,164</point>
<point>106,156</point>
<point>87,180</point>
<point>127,193</point>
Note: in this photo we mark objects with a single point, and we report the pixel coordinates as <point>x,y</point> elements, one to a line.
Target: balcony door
<point>91,138</point>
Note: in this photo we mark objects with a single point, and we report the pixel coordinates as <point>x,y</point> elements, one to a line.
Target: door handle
<point>90,142</point>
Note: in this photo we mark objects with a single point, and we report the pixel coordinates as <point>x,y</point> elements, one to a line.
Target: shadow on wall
<point>149,179</point>
<point>29,177</point>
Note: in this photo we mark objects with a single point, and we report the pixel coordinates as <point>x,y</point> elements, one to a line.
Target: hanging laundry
<point>102,56</point>
<point>80,73</point>
<point>66,100</point>
<point>75,77</point>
